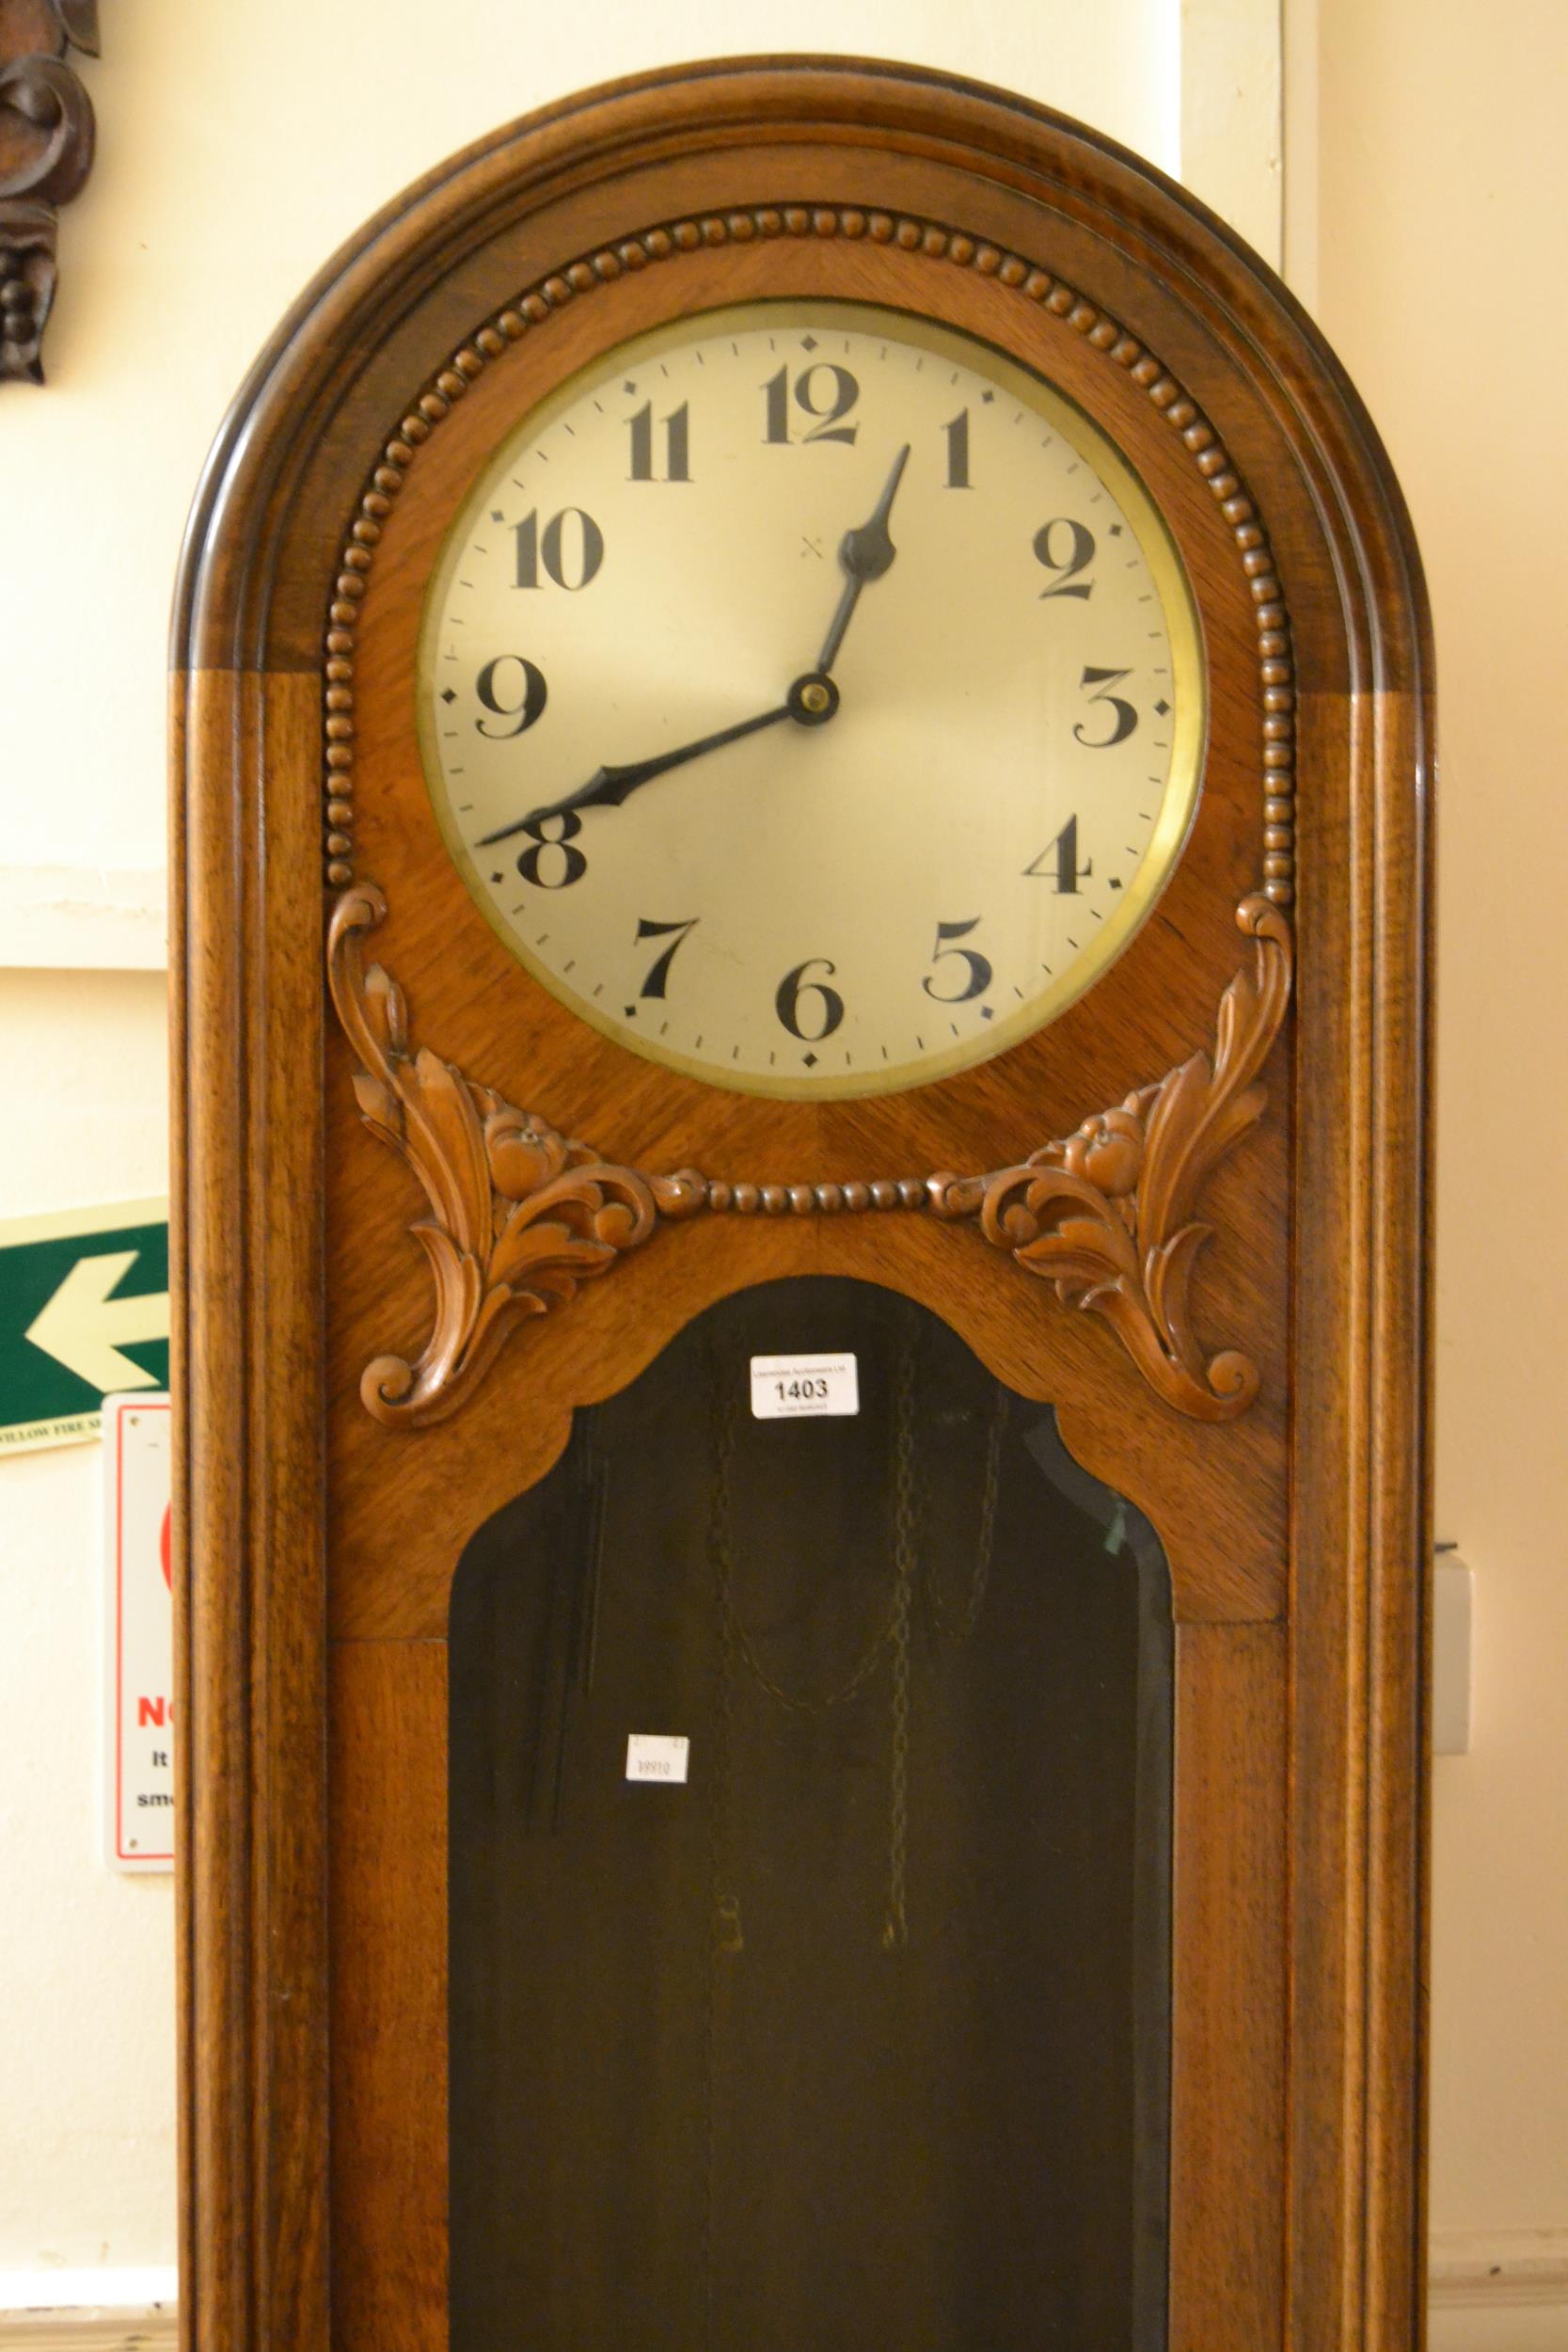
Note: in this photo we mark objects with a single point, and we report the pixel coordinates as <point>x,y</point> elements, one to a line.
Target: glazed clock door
<point>803,717</point>
<point>850,2022</point>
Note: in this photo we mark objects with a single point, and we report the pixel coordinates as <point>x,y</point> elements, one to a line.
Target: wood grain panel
<point>389,1910</point>
<point>1360,1545</point>
<point>248,1536</point>
<point>1229,2078</point>
<point>404,1503</point>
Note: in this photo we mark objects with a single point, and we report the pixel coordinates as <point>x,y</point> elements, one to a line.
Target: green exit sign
<point>84,1310</point>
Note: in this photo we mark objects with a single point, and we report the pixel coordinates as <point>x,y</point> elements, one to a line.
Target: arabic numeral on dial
<point>659,971</point>
<point>553,860</point>
<point>678,444</point>
<point>570,547</point>
<point>1120,712</point>
<point>826,393</point>
<point>1067,549</point>
<point>956,430</point>
<point>497,688</point>
<point>1058,861</point>
<point>978,970</point>
<point>788,1001</point>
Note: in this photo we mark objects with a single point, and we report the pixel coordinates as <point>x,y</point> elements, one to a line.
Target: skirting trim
<point>84,2328</point>
<point>1496,2267</point>
<point>1468,2267</point>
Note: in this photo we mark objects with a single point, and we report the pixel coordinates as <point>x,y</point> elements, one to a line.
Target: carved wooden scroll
<point>519,1215</point>
<point>46,149</point>
<point>1110,1215</point>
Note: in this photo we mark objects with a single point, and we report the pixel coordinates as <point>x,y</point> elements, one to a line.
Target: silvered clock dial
<point>811,697</point>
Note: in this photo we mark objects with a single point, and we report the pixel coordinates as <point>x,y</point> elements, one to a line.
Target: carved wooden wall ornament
<point>47,135</point>
<point>1182,1203</point>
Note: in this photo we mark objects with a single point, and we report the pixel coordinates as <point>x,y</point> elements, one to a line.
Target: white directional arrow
<point>84,1329</point>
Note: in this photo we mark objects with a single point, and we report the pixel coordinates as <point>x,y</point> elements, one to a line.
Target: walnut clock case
<point>802,712</point>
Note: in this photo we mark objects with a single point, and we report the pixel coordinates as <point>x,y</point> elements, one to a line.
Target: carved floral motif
<point>519,1215</point>
<point>1109,1216</point>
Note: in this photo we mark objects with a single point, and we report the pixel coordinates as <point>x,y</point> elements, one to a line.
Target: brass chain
<point>985,1534</point>
<point>893,1634</point>
<point>895,1928</point>
<point>735,1633</point>
<point>725,1938</point>
<point>727,1932</point>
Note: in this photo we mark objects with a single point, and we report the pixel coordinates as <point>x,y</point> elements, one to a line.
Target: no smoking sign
<point>138,1633</point>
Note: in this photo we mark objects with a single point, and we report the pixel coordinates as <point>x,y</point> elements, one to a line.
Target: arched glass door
<point>855,2038</point>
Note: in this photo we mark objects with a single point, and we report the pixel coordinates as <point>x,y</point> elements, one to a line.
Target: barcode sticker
<point>656,1755</point>
<point>785,1387</point>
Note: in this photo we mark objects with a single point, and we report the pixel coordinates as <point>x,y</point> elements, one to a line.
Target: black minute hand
<point>610,786</point>
<point>865,553</point>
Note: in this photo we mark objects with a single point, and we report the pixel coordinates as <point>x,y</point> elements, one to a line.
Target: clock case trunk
<point>319,1542</point>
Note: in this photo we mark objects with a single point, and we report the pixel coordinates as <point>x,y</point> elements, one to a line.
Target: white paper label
<point>785,1386</point>
<point>656,1755</point>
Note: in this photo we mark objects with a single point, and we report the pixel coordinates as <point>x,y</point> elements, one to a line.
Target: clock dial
<point>812,698</point>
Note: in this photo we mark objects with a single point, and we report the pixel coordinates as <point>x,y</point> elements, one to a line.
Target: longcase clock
<point>802,707</point>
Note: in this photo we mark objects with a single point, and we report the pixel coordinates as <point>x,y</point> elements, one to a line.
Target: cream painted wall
<point>87,2100</point>
<point>238,147</point>
<point>1440,267</point>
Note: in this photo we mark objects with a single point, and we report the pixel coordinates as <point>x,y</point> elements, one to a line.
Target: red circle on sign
<point>164,1549</point>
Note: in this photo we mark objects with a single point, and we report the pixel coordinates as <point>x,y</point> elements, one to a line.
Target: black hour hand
<point>609,787</point>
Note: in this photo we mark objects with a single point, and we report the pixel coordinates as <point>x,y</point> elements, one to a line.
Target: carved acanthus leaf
<point>519,1215</point>
<point>1108,1216</point>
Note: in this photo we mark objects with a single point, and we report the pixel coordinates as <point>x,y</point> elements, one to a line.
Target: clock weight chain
<point>911,1595</point>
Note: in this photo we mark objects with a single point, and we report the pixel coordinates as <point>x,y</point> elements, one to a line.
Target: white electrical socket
<point>1453,1594</point>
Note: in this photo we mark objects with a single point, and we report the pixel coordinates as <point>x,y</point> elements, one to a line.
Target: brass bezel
<point>1179,605</point>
